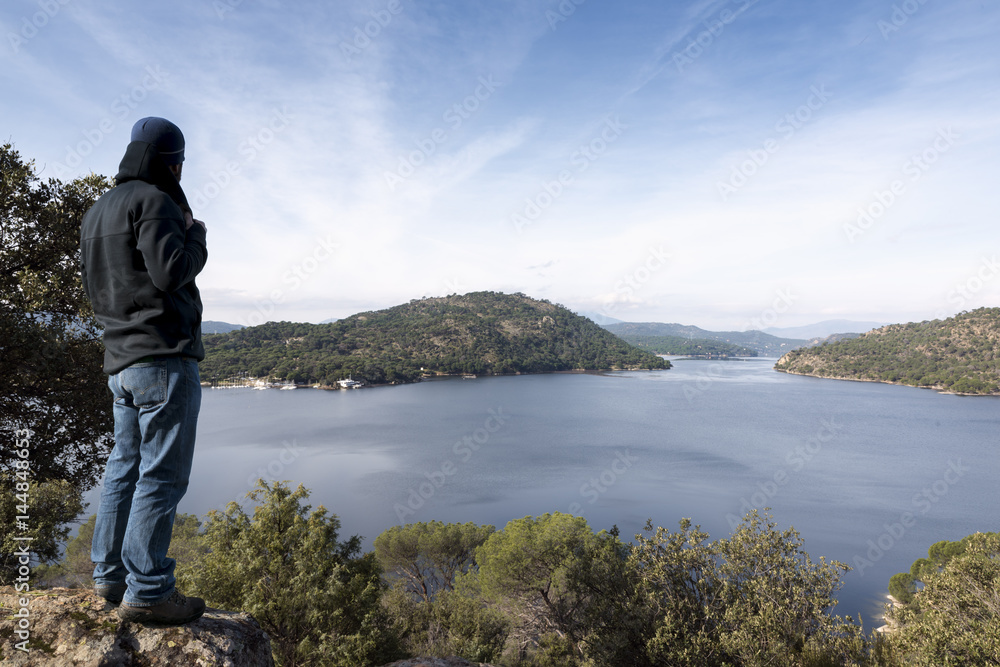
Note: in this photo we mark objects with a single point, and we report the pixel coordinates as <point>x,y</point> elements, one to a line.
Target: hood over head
<point>143,162</point>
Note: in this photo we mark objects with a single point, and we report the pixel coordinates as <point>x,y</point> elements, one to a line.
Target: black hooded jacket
<point>139,263</point>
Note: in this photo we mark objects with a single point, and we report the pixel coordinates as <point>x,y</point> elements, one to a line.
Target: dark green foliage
<point>55,409</point>
<point>316,597</point>
<point>755,598</point>
<point>50,347</point>
<point>959,354</point>
<point>478,333</point>
<point>576,598</point>
<point>187,546</point>
<point>938,554</point>
<point>922,567</point>
<point>438,613</point>
<point>52,505</point>
<point>955,618</point>
<point>687,346</point>
<point>425,558</point>
<point>529,570</point>
<point>942,552</point>
<point>455,622</point>
<point>762,343</point>
<point>548,591</point>
<point>902,586</point>
<point>75,570</point>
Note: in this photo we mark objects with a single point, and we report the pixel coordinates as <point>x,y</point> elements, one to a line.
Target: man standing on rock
<point>140,252</point>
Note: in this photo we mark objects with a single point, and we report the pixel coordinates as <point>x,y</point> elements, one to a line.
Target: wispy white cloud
<point>295,114</point>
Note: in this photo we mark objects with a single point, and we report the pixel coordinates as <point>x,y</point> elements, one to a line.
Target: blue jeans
<point>156,408</point>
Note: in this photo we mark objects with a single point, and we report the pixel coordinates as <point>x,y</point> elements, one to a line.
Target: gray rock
<point>73,627</point>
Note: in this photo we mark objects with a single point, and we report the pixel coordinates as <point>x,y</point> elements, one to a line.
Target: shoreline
<point>471,376</point>
<point>939,389</point>
<point>888,626</point>
<point>259,383</point>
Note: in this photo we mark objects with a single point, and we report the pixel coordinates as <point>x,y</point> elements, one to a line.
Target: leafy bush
<point>955,618</point>
<point>438,609</point>
<point>755,598</point>
<point>315,596</point>
<point>53,504</point>
<point>902,586</point>
<point>427,557</point>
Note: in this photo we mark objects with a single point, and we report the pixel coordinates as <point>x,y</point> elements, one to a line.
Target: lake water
<point>869,474</point>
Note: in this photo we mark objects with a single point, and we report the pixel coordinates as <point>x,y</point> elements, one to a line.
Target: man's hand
<point>189,221</point>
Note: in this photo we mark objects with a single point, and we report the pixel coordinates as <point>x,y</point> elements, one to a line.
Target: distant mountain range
<point>689,347</point>
<point>764,344</point>
<point>214,327</point>
<point>598,318</point>
<point>824,329</point>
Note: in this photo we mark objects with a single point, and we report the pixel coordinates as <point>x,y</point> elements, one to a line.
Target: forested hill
<point>960,354</point>
<point>481,333</point>
<point>679,345</point>
<point>760,342</point>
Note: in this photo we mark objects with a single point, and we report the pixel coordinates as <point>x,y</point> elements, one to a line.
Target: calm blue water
<point>869,474</point>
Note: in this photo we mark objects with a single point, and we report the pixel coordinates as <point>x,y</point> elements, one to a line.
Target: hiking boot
<point>112,593</point>
<point>175,610</point>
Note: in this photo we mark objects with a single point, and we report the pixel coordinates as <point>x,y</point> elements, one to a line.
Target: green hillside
<point>960,354</point>
<point>702,347</point>
<point>762,343</point>
<point>481,333</point>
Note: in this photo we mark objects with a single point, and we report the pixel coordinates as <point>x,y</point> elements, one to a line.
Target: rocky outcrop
<point>73,627</point>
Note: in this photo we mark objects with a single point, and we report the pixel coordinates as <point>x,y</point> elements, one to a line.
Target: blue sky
<point>721,163</point>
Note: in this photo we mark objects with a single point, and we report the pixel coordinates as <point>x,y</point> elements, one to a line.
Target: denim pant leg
<point>120,475</point>
<point>157,405</point>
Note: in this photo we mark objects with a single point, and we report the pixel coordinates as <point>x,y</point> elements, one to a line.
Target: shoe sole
<point>134,615</point>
